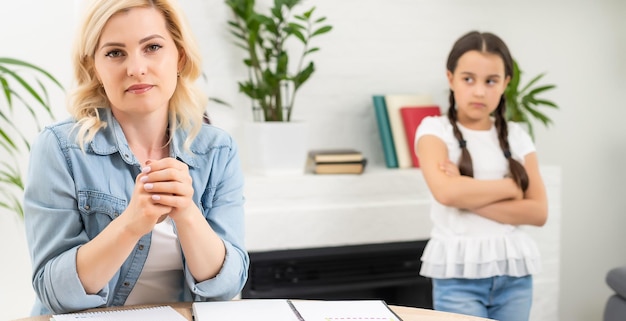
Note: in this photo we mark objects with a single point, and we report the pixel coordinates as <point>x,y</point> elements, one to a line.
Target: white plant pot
<point>275,148</point>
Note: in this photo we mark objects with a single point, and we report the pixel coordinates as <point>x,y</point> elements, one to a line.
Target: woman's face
<point>137,62</point>
<point>478,83</point>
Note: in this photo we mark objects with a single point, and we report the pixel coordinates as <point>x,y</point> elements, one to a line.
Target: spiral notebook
<point>143,314</point>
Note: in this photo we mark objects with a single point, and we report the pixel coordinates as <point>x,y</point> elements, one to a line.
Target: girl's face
<point>137,61</point>
<point>478,83</point>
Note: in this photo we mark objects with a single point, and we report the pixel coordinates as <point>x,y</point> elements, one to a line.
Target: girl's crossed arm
<point>531,210</point>
<point>450,188</point>
<point>500,200</point>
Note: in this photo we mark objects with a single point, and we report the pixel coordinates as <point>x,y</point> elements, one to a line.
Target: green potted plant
<point>32,96</point>
<point>278,48</point>
<point>272,83</point>
<point>522,103</point>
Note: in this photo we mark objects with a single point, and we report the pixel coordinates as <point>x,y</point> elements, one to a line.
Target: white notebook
<point>165,313</point>
<point>293,310</point>
<point>244,310</point>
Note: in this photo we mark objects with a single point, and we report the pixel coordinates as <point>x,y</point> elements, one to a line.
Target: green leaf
<point>11,176</point>
<point>303,76</point>
<point>24,84</point>
<point>16,206</point>
<point>16,131</point>
<point>531,130</point>
<point>277,12</point>
<point>541,89</point>
<point>220,101</point>
<point>299,35</point>
<point>321,31</point>
<point>301,18</point>
<point>532,82</point>
<point>311,50</point>
<point>44,91</point>
<point>538,115</point>
<point>244,47</point>
<point>235,25</point>
<point>31,96</point>
<point>10,145</point>
<point>288,3</point>
<point>546,103</point>
<point>296,26</point>
<point>6,90</point>
<point>309,13</point>
<point>514,83</point>
<point>4,60</point>
<point>282,64</point>
<point>239,36</point>
<point>12,207</point>
<point>523,105</point>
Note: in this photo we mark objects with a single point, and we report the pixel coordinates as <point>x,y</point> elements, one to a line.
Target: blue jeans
<point>503,298</point>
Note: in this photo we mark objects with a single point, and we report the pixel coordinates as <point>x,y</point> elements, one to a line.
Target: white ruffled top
<point>464,244</point>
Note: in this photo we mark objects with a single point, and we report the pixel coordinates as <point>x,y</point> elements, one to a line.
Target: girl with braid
<point>484,175</point>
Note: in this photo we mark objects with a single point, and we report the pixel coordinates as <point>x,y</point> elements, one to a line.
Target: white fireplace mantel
<point>303,211</point>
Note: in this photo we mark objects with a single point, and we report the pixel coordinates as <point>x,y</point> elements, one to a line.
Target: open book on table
<point>293,310</point>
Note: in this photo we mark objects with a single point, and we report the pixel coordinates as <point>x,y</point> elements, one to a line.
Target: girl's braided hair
<point>490,43</point>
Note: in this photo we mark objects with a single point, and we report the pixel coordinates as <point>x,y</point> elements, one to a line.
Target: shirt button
<point>87,206</point>
<point>140,247</point>
<point>126,284</point>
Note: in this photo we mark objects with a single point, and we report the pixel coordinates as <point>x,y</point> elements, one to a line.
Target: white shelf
<point>378,187</point>
<point>381,205</point>
<point>303,211</point>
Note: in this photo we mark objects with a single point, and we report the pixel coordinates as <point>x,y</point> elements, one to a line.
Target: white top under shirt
<point>161,279</point>
<point>464,244</point>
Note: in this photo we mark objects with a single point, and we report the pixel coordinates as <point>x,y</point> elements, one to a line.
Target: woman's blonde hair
<point>187,105</point>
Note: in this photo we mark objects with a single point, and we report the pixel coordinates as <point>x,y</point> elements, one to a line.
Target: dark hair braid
<point>485,42</point>
<point>465,160</point>
<point>517,171</point>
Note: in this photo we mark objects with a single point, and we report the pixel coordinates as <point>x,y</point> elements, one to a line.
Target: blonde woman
<point>134,200</point>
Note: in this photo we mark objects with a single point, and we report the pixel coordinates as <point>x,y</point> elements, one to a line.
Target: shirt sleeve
<point>521,142</point>
<point>54,230</point>
<point>226,217</point>
<point>431,125</point>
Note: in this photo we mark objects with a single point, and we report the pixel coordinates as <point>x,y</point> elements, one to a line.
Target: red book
<point>411,119</point>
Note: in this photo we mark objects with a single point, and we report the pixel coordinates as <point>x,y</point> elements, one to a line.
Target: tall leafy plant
<point>523,102</point>
<point>24,89</point>
<point>271,85</point>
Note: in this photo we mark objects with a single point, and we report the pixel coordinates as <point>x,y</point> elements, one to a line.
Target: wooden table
<point>406,313</point>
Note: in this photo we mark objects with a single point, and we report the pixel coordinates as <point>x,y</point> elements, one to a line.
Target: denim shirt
<point>72,195</point>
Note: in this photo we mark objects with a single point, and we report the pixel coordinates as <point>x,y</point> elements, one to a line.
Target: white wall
<point>39,32</point>
<point>398,46</point>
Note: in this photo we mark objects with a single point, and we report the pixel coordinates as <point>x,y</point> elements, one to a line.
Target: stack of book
<point>398,117</point>
<point>335,161</point>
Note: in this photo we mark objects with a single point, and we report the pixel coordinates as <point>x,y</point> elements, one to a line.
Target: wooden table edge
<point>404,312</point>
